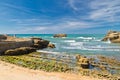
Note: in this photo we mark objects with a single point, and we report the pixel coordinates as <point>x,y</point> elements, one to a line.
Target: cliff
<point>113,36</point>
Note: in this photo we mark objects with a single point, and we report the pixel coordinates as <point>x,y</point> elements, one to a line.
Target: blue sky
<point>59,16</point>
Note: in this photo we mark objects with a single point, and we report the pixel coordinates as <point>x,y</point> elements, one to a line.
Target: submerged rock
<point>60,35</point>
<point>113,36</point>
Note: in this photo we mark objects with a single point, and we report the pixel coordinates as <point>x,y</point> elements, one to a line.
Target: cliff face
<point>113,36</point>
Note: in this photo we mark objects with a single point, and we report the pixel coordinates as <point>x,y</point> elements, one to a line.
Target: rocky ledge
<point>60,35</point>
<point>12,45</point>
<point>113,36</point>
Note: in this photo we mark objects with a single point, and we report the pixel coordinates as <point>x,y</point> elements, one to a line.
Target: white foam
<point>76,44</point>
<point>51,52</point>
<point>89,38</point>
<point>70,41</point>
<point>94,48</point>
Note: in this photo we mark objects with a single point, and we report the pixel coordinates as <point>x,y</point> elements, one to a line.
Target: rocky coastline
<point>14,44</point>
<point>22,52</point>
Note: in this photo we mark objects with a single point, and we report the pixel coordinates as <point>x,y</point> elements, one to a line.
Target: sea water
<point>87,44</point>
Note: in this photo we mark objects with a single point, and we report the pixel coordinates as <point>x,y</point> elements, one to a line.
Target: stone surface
<point>60,35</point>
<point>51,45</point>
<point>113,36</point>
<point>83,61</point>
<point>3,37</point>
<point>40,43</point>
<point>20,51</point>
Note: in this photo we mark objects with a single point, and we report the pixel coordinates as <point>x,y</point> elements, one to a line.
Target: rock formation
<point>3,37</point>
<point>113,36</point>
<point>60,35</point>
<point>82,61</point>
<point>9,42</point>
<point>40,43</point>
<point>50,45</point>
<point>20,51</point>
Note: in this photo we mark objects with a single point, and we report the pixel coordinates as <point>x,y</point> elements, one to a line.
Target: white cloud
<point>72,4</point>
<point>107,10</point>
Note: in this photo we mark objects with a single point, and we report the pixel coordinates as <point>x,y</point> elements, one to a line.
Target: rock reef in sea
<point>59,35</point>
<point>112,36</point>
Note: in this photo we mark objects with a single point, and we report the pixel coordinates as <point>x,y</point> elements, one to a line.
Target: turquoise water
<point>87,44</point>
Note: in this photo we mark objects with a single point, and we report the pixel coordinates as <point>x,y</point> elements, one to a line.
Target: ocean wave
<point>97,40</point>
<point>51,52</point>
<point>89,38</point>
<point>93,48</point>
<point>69,41</point>
<point>76,44</point>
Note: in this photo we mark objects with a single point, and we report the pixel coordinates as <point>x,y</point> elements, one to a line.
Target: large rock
<point>50,45</point>
<point>83,61</point>
<point>40,43</point>
<point>113,36</point>
<point>60,35</point>
<point>3,37</point>
<point>20,51</point>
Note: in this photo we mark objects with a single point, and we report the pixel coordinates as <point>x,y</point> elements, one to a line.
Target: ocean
<point>85,44</point>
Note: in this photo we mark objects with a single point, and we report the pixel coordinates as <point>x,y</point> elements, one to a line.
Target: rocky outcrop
<point>60,35</point>
<point>50,45</point>
<point>40,43</point>
<point>20,51</point>
<point>10,42</point>
<point>82,61</point>
<point>3,37</point>
<point>113,36</point>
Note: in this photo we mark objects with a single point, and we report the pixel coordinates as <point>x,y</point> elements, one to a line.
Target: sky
<point>59,16</point>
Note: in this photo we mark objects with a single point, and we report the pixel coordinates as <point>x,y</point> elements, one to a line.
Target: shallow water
<point>87,44</point>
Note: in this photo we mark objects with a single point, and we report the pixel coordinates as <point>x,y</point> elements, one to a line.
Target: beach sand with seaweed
<point>12,72</point>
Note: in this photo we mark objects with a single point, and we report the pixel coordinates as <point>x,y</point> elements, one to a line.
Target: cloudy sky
<point>59,16</point>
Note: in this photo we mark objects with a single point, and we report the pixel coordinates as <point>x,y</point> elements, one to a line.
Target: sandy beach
<point>12,72</point>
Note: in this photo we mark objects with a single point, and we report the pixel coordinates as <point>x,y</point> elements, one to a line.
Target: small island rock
<point>113,36</point>
<point>60,35</point>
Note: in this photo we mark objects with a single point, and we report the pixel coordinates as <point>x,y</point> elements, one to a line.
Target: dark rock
<point>40,43</point>
<point>51,45</point>
<point>3,37</point>
<point>20,51</point>
<point>60,35</point>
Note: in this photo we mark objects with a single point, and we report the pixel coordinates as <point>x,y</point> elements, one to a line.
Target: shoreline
<point>13,72</point>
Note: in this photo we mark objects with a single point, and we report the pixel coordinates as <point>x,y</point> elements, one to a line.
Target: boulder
<point>20,51</point>
<point>51,45</point>
<point>40,43</point>
<point>113,36</point>
<point>60,35</point>
<point>3,37</point>
<point>82,61</point>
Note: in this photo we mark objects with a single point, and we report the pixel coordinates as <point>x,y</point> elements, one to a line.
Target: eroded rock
<point>60,35</point>
<point>113,36</point>
<point>50,45</point>
<point>20,51</point>
<point>82,61</point>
